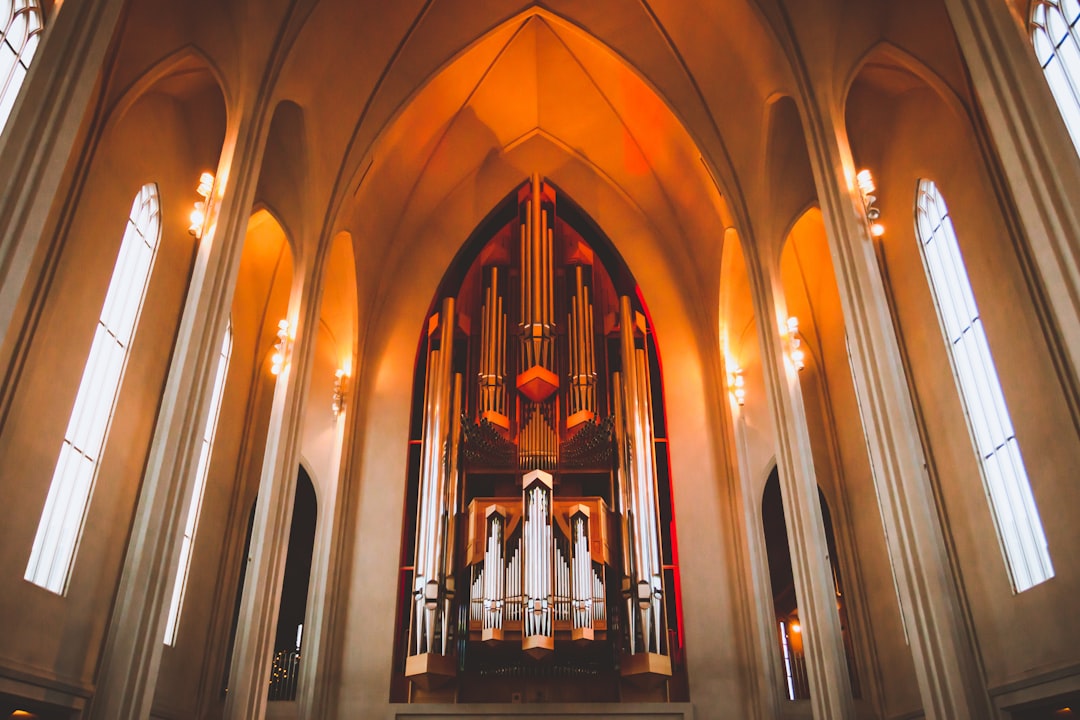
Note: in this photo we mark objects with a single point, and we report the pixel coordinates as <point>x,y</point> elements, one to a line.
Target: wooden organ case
<point>541,565</point>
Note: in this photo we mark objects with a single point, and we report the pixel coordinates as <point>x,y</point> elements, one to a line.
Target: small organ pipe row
<point>583,585</point>
<point>539,546</point>
<point>637,491</point>
<point>493,580</point>
<point>537,300</point>
<point>493,350</point>
<point>582,346</point>
<point>538,443</point>
<point>437,504</point>
<point>495,590</point>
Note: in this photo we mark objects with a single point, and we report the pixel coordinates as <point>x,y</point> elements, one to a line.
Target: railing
<point>284,673</point>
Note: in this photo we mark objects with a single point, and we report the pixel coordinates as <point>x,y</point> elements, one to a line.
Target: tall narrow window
<point>61,522</point>
<point>1011,501</point>
<point>201,472</point>
<point>20,29</point>
<point>1057,46</point>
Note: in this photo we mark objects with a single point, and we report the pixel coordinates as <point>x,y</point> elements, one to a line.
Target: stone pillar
<point>43,134</point>
<point>946,667</point>
<point>131,658</point>
<point>249,674</point>
<point>768,655</point>
<point>1036,155</point>
<point>826,663</point>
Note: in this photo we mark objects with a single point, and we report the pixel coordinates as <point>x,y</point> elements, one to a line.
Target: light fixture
<point>795,351</point>
<point>282,349</point>
<point>737,384</point>
<point>339,391</point>
<point>865,181</point>
<point>199,213</point>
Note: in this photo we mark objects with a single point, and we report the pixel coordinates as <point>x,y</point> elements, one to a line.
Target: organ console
<point>549,470</point>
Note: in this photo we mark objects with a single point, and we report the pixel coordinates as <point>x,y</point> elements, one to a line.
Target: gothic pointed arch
<point>538,554</point>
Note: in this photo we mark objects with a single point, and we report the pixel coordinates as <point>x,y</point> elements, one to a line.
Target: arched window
<point>1057,46</point>
<point>62,519</point>
<point>1011,502</point>
<point>19,34</point>
<point>201,472</point>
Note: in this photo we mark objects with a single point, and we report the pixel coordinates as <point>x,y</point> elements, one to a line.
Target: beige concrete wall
<point>49,635</point>
<point>912,135</point>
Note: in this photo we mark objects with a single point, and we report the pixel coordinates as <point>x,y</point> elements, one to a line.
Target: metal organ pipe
<point>638,454</point>
<point>438,492</point>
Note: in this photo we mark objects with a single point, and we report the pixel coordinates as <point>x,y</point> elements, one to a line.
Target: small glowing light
<point>865,181</point>
<point>737,383</point>
<point>338,401</point>
<point>795,627</point>
<point>198,217</point>
<point>282,347</point>
<point>877,229</point>
<point>795,351</point>
<point>206,184</point>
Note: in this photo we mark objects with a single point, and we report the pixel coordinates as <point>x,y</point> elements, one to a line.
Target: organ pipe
<point>537,275</point>
<point>438,498</point>
<point>582,353</point>
<point>638,490</point>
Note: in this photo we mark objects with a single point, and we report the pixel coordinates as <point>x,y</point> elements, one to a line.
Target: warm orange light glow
<point>795,627</point>
<point>877,229</point>
<point>865,181</point>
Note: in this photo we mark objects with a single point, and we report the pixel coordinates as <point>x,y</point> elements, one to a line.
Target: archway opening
<point>538,555</point>
<point>786,602</point>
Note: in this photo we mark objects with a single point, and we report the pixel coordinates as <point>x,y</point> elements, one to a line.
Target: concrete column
<point>249,674</point>
<point>323,598</point>
<point>830,684</point>
<point>768,654</point>
<point>128,673</point>
<point>948,674</point>
<point>43,134</point>
<point>1036,155</point>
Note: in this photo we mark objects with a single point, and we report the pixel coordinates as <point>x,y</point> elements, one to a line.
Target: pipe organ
<point>540,530</point>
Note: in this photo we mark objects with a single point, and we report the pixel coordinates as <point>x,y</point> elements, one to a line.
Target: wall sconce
<point>199,214</point>
<point>339,391</point>
<point>795,351</point>
<point>866,189</point>
<point>737,384</point>
<point>282,349</point>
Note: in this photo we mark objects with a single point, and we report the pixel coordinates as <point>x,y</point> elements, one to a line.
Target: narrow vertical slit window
<point>1012,503</point>
<point>1054,33</point>
<point>60,527</point>
<point>20,30</point>
<point>201,472</point>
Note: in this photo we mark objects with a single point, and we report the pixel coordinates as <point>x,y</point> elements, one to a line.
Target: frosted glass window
<point>20,30</point>
<point>201,472</point>
<point>73,479</point>
<point>1011,501</point>
<point>1057,46</point>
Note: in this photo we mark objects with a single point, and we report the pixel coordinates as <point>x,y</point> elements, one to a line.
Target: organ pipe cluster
<point>538,628</point>
<point>433,589</point>
<point>579,332</point>
<point>537,297</point>
<point>536,564</point>
<point>637,496</point>
<point>493,354</point>
<point>538,441</point>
